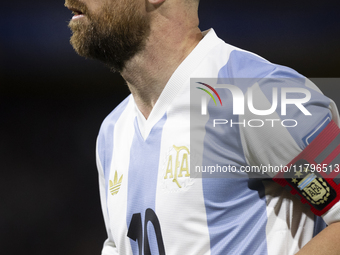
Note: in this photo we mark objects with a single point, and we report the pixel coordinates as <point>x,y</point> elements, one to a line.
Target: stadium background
<point>52,103</point>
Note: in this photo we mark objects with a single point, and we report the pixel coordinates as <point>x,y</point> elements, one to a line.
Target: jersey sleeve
<point>289,133</point>
<point>109,247</point>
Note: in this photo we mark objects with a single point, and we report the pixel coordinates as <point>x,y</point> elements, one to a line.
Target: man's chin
<point>79,46</point>
<point>80,40</point>
<point>78,25</point>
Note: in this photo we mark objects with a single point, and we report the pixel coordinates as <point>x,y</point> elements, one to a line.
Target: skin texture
<point>325,243</point>
<point>160,35</point>
<point>172,33</point>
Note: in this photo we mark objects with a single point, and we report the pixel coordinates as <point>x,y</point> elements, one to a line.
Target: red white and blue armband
<point>314,175</point>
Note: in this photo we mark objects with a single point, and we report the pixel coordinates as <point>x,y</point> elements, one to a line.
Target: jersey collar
<point>176,82</point>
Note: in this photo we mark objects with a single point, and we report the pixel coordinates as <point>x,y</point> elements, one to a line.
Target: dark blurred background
<point>52,103</point>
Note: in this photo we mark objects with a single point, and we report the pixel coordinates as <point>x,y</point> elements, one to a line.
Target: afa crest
<point>311,185</point>
<point>176,168</point>
<point>316,190</point>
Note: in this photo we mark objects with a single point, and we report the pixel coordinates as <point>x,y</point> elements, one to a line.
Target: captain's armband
<point>314,175</point>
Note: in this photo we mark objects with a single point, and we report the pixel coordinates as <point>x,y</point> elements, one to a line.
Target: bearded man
<point>150,203</point>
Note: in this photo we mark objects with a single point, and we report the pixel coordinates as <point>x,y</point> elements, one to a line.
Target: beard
<point>114,35</point>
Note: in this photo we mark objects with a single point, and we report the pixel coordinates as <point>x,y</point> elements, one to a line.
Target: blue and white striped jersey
<point>150,203</point>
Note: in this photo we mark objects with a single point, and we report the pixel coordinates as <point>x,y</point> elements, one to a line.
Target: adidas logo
<point>115,185</point>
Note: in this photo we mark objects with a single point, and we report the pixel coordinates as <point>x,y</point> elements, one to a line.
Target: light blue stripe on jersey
<point>142,181</point>
<point>245,65</point>
<point>236,216</point>
<point>236,207</point>
<point>105,139</point>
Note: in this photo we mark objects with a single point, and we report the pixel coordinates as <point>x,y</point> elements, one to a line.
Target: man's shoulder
<point>246,64</point>
<point>241,63</point>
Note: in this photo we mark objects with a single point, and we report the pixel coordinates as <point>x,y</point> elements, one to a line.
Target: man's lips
<point>77,13</point>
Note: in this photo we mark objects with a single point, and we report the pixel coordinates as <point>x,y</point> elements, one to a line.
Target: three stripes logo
<point>115,185</point>
<point>209,93</point>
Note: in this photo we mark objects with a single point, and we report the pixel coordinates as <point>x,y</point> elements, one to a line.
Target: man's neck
<point>149,71</point>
